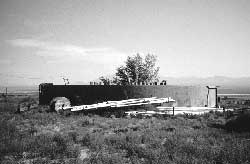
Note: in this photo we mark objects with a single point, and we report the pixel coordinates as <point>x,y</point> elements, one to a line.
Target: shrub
<point>239,124</point>
<point>52,146</point>
<point>73,136</point>
<point>85,123</point>
<point>9,139</point>
<point>85,141</point>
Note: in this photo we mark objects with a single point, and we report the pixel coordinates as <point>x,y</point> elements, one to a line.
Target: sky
<point>46,40</point>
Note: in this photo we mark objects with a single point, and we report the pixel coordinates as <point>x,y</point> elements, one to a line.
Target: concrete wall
<point>89,94</point>
<point>212,98</point>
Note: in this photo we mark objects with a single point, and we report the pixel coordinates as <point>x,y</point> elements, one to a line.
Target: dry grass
<point>40,137</point>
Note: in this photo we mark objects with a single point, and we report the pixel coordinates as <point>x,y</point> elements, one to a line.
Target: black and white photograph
<point>124,81</point>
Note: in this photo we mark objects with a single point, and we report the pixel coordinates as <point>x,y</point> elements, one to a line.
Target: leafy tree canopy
<point>137,69</point>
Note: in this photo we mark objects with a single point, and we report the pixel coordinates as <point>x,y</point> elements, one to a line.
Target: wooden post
<point>173,110</point>
<point>216,98</point>
<point>6,94</point>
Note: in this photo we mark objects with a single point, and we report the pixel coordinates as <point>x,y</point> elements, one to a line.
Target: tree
<point>105,80</point>
<point>109,81</point>
<point>138,69</point>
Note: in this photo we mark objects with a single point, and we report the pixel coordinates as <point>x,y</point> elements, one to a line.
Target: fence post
<point>173,110</point>
<point>6,94</point>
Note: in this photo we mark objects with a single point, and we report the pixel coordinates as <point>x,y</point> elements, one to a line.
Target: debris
<point>145,113</point>
<point>188,110</point>
<point>84,154</point>
<point>59,103</point>
<point>121,103</point>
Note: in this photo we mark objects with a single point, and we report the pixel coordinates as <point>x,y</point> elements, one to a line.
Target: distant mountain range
<point>215,80</point>
<point>17,89</point>
<point>227,84</point>
<point>189,80</point>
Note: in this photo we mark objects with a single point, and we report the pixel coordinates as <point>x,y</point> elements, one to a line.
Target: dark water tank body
<point>90,94</point>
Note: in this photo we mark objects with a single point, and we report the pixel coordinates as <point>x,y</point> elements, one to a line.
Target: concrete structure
<point>89,94</point>
<point>212,97</point>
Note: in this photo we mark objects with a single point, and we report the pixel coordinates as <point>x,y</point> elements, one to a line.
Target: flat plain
<point>39,136</point>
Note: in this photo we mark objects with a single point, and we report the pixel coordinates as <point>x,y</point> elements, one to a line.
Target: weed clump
<point>239,124</point>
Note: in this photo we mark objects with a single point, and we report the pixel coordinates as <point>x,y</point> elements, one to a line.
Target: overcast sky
<point>45,40</point>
